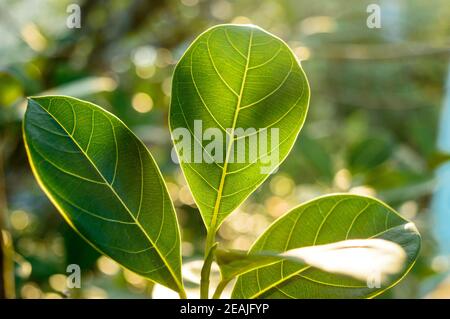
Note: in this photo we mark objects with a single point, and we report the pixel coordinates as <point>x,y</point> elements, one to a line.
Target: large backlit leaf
<point>235,77</point>
<point>106,184</point>
<point>328,220</point>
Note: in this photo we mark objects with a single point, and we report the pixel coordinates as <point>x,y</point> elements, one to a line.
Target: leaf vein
<point>274,90</point>
<point>215,68</point>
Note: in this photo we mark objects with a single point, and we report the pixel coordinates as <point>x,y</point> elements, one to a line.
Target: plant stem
<point>219,289</point>
<point>206,269</point>
<point>182,294</point>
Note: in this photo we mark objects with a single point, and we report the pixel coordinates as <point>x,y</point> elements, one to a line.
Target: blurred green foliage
<point>371,129</point>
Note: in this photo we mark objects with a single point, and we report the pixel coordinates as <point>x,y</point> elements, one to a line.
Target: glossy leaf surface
<point>240,84</point>
<point>106,184</point>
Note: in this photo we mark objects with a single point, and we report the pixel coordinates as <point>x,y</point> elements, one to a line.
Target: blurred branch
<point>124,22</point>
<point>411,192</point>
<point>379,51</point>
<point>116,27</point>
<point>386,103</point>
<point>6,250</point>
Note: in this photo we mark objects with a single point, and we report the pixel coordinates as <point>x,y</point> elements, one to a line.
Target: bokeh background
<point>379,122</point>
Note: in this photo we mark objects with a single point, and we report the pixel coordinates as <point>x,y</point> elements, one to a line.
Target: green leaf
<point>106,184</point>
<point>318,158</point>
<point>370,153</point>
<point>327,220</point>
<point>233,78</point>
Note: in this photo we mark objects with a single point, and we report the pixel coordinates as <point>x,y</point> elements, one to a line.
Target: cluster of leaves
<point>107,186</point>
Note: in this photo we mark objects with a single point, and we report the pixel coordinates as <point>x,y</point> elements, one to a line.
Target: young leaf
<point>357,258</point>
<point>326,220</point>
<point>106,185</point>
<point>233,263</point>
<point>235,83</point>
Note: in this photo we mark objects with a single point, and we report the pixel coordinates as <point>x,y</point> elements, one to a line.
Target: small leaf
<point>246,85</point>
<point>106,185</point>
<point>318,159</point>
<point>370,153</point>
<point>328,220</point>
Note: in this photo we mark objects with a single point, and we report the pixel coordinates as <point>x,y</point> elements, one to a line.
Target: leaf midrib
<point>180,286</point>
<point>213,224</point>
